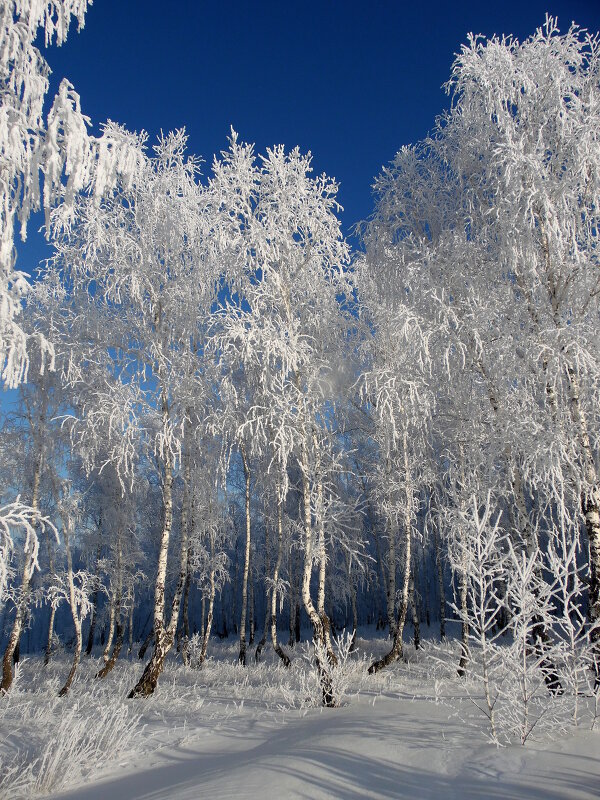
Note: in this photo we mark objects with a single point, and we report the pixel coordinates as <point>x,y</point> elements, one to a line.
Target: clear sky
<point>351,81</point>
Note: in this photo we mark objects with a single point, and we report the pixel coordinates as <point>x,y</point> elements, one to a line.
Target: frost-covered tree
<point>288,274</point>
<point>489,230</point>
<point>39,458</point>
<point>45,159</point>
<point>130,320</point>
<point>523,137</point>
<point>399,400</point>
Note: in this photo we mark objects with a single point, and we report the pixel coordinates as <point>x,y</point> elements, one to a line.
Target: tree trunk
<point>234,590</point>
<point>111,627</point>
<point>590,506</point>
<point>391,588</point>
<point>380,575</point>
<point>313,614</point>
<point>116,618</point>
<point>396,650</point>
<point>207,626</point>
<point>48,652</point>
<point>242,655</point>
<point>322,554</point>
<point>263,638</point>
<point>293,601</point>
<point>464,628</point>
<point>352,587</point>
<point>130,625</point>
<point>110,662</point>
<point>28,568</point>
<point>92,630</point>
<point>90,640</point>
<point>203,616</point>
<point>440,576</point>
<point>146,644</point>
<point>209,616</point>
<point>273,619</point>
<point>251,609</point>
<point>426,586</point>
<point>186,618</point>
<point>147,683</point>
<point>74,610</point>
<point>413,607</point>
<point>51,620</point>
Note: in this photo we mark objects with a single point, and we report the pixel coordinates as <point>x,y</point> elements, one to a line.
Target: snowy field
<point>228,731</point>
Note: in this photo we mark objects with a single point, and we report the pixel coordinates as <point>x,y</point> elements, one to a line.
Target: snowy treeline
<point>228,423</point>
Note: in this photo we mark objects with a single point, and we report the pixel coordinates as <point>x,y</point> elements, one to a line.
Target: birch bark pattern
<point>207,627</point>
<point>396,650</point>
<point>273,619</point>
<point>92,630</point>
<point>322,554</point>
<point>28,567</point>
<point>147,683</point>
<point>242,655</point>
<point>313,614</point>
<point>110,659</point>
<point>263,638</point>
<point>74,612</point>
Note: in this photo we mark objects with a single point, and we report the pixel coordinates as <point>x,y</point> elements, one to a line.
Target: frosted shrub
<point>193,651</point>
<point>532,695</point>
<point>576,656</point>
<point>346,677</point>
<point>477,553</point>
<point>527,675</point>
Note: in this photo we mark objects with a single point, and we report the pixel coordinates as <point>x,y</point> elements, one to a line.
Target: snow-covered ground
<point>226,731</point>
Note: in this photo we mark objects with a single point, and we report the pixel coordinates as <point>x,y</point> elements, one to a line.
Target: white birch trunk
<point>209,618</point>
<point>413,607</point>
<point>147,683</point>
<point>322,557</point>
<point>28,568</point>
<point>242,655</point>
<point>110,659</point>
<point>440,578</point>
<point>396,650</point>
<point>74,611</point>
<point>273,618</point>
<point>313,614</point>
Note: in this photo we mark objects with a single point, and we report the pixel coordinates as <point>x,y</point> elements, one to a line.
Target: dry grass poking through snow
<point>47,741</point>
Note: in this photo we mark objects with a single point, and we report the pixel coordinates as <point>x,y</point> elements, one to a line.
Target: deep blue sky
<point>351,81</point>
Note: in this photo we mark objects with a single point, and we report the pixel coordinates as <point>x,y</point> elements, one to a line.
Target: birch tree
<point>489,230</point>
<point>290,256</point>
<point>531,109</point>
<point>145,283</point>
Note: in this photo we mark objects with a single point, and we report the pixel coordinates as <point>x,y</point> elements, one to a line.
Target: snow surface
<point>228,732</point>
<point>394,748</point>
